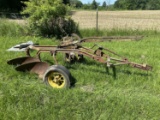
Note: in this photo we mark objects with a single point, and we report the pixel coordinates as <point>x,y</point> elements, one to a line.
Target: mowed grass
<point>132,94</point>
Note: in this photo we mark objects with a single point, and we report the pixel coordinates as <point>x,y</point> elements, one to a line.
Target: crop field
<point>96,94</point>
<point>136,20</point>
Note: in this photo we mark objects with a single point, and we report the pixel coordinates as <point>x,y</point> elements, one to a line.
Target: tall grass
<point>116,32</point>
<point>8,28</point>
<point>11,28</point>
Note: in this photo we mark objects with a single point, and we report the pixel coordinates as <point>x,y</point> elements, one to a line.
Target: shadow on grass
<point>73,81</point>
<point>137,72</point>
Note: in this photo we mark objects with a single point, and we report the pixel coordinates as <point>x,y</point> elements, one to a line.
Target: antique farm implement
<point>58,76</point>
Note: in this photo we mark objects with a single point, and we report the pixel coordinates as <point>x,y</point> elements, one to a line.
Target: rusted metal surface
<point>112,38</point>
<point>22,60</point>
<point>71,49</point>
<point>34,67</point>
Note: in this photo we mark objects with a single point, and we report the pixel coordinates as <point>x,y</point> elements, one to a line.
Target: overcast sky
<point>99,1</point>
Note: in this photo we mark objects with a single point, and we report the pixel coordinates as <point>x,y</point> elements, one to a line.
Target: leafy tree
<point>141,4</point>
<point>11,5</point>
<point>121,4</point>
<point>152,5</point>
<point>94,5</point>
<point>104,5</point>
<point>79,4</point>
<point>76,3</point>
<point>48,18</point>
<point>86,6</point>
<point>137,4</point>
<point>66,1</point>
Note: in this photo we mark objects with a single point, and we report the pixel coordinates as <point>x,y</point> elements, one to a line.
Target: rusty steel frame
<point>97,55</point>
<point>71,48</point>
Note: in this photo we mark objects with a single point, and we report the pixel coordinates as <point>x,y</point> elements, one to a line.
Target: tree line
<point>137,4</point>
<point>18,5</point>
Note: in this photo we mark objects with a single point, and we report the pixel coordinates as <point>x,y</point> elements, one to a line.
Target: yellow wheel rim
<point>56,80</point>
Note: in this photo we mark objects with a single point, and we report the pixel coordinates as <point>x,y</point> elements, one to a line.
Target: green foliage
<point>16,5</point>
<point>94,5</point>
<point>104,5</point>
<point>137,4</point>
<point>11,5</point>
<point>86,6</point>
<point>66,1</point>
<point>152,5</point>
<point>76,3</point>
<point>48,18</point>
<point>90,6</point>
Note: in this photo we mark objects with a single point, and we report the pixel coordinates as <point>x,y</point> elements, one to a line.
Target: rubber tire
<point>61,69</point>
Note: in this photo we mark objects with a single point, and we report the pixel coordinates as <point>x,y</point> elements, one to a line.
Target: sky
<point>99,1</point>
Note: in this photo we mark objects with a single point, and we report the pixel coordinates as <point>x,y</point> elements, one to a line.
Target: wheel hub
<point>56,80</point>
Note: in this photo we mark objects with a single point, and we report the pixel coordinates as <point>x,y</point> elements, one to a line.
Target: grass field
<point>136,20</point>
<point>96,95</point>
